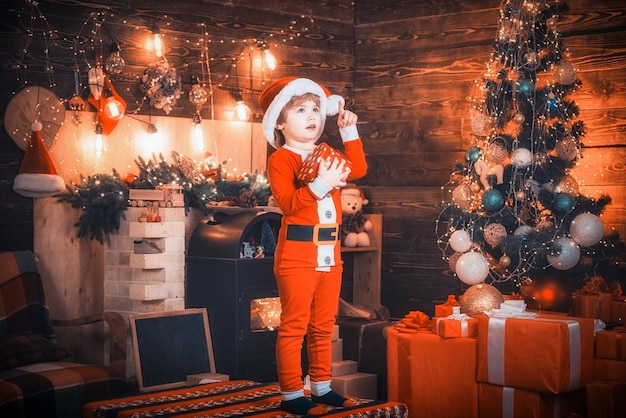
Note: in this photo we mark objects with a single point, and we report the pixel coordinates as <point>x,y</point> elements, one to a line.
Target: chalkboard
<point>168,346</point>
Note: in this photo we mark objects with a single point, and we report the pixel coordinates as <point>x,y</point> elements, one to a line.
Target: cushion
<point>23,307</point>
<point>20,350</point>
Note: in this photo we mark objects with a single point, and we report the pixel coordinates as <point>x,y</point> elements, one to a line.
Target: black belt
<point>320,234</point>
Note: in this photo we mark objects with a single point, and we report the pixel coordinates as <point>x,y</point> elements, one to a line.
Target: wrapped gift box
<point>611,345</point>
<point>597,306</point>
<point>451,327</point>
<point>445,309</point>
<point>504,402</point>
<point>434,376</point>
<point>605,369</point>
<point>322,152</point>
<point>549,353</point>
<point>606,399</point>
<point>618,311</point>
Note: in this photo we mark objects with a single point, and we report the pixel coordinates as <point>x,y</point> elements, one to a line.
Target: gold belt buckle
<point>316,229</point>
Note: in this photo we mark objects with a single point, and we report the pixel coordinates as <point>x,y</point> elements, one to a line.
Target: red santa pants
<point>309,301</point>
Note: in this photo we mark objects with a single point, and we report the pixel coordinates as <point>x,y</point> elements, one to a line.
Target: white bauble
<point>460,241</point>
<point>521,157</point>
<point>568,257</point>
<point>472,268</point>
<point>586,229</point>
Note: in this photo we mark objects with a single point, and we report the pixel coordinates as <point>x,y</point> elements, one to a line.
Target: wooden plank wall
<point>416,62</point>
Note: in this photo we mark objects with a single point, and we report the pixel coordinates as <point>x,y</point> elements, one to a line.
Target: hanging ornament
<point>481,124</point>
<point>525,86</point>
<point>472,268</point>
<point>453,260</point>
<point>563,203</point>
<point>547,292</point>
<point>567,149</point>
<point>519,118</point>
<point>198,95</point>
<point>114,64</point>
<point>109,109</point>
<point>521,157</point>
<point>565,72</point>
<point>161,85</point>
<point>494,234</point>
<point>76,103</point>
<point>473,154</point>
<point>460,241</point>
<point>564,254</point>
<point>492,201</point>
<point>586,229</point>
<point>568,184</point>
<point>522,231</point>
<point>496,152</point>
<point>530,59</point>
<point>480,298</point>
<point>461,196</point>
<point>505,261</point>
<point>551,22</point>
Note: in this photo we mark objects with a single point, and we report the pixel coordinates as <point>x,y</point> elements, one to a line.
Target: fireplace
<point>230,273</point>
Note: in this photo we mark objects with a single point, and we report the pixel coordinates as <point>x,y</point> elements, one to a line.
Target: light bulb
<point>158,43</point>
<point>99,141</point>
<point>241,111</point>
<point>270,59</point>
<point>197,136</point>
<point>114,109</point>
<point>114,63</point>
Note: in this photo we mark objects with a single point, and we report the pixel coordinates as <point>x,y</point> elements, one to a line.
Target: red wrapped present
<point>504,402</point>
<point>611,345</point>
<point>445,309</point>
<point>606,399</point>
<point>434,376</point>
<point>457,325</point>
<point>618,311</point>
<point>549,353</point>
<point>596,306</point>
<point>322,152</point>
<point>605,369</point>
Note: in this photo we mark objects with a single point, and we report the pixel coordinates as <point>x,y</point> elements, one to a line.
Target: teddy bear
<point>354,226</point>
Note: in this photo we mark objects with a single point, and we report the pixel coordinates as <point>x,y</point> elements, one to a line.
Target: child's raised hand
<point>345,117</point>
<point>334,173</point>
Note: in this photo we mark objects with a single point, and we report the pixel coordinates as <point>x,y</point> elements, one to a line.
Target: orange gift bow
<point>617,294</point>
<point>594,286</point>
<point>414,320</point>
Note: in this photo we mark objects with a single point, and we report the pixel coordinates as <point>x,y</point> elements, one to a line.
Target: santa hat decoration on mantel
<point>278,93</point>
<point>37,176</point>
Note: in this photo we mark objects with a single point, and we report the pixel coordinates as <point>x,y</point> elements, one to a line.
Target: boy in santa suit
<point>307,262</point>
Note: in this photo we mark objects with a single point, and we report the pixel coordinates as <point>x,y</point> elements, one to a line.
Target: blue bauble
<point>492,201</point>
<point>563,203</point>
<point>525,86</point>
<point>473,154</point>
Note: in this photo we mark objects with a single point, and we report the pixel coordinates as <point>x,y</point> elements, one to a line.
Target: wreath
<point>161,85</point>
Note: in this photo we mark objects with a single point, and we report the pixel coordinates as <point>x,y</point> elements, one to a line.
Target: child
<point>307,262</point>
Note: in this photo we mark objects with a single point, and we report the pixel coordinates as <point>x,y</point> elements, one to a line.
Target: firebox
<point>230,262</point>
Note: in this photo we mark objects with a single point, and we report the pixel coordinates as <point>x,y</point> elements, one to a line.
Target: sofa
<point>38,378</point>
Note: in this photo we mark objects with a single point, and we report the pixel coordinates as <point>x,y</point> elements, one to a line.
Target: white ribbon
<point>508,402</point>
<point>575,351</point>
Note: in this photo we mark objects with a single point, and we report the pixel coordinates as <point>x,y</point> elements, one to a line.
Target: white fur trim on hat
<point>38,184</point>
<point>329,104</point>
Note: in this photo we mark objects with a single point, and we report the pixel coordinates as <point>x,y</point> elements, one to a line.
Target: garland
<point>103,198</point>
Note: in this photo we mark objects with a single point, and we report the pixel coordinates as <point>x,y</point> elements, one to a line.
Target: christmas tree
<point>513,209</point>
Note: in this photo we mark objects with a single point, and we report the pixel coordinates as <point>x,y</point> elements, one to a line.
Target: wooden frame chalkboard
<point>168,346</point>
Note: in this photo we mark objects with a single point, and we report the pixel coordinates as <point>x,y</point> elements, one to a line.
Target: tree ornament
<point>492,200</point>
<point>586,229</point>
<point>522,231</point>
<point>475,187</point>
<point>568,184</point>
<point>480,298</point>
<point>519,118</point>
<point>461,196</point>
<point>525,86</point>
<point>453,260</point>
<point>161,85</point>
<point>565,72</point>
<point>520,195</point>
<point>530,59</point>
<point>460,241</point>
<point>551,22</point>
<point>547,292</point>
<point>472,268</point>
<point>473,154</point>
<point>505,261</point>
<point>494,234</point>
<point>564,254</point>
<point>541,159</point>
<point>496,153</point>
<point>481,124</point>
<point>563,203</point>
<point>521,157</point>
<point>567,149</point>
<point>198,95</point>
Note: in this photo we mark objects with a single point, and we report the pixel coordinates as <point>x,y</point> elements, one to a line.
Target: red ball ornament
<point>129,178</point>
<point>547,292</point>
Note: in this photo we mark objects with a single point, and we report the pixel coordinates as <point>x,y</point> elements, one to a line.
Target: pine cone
<point>247,199</point>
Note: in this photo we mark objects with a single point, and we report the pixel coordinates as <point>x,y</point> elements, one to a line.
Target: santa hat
<point>275,96</point>
<point>37,176</point>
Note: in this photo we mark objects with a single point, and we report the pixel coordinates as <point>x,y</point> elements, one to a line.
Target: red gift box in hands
<point>322,152</point>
